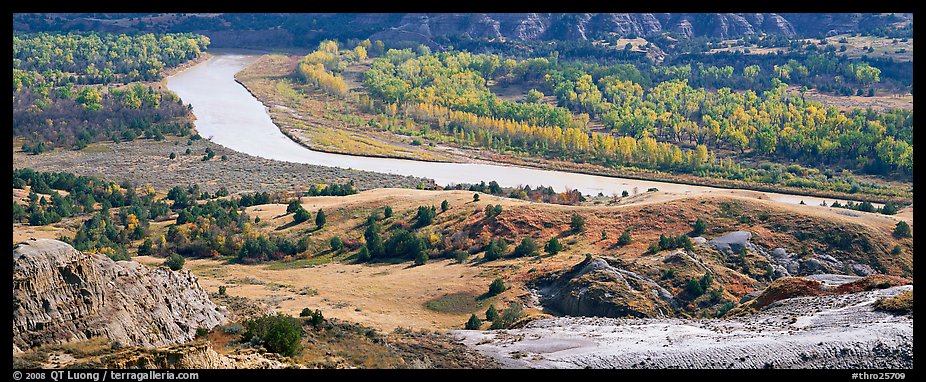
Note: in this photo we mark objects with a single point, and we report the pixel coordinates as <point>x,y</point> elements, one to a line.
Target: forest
<point>652,118</point>
<point>70,90</point>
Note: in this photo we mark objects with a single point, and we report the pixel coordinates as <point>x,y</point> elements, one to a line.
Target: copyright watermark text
<point>102,376</point>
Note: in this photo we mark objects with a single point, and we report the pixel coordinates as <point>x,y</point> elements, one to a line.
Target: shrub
<point>421,258</point>
<point>279,333</point>
<point>387,212</point>
<point>474,323</point>
<point>509,316</point>
<point>577,222</point>
<point>336,243</point>
<point>173,155</point>
<point>405,244</point>
<point>889,209</point>
<point>301,215</point>
<point>175,262</point>
<point>475,197</point>
<point>363,254</point>
<point>625,193</point>
<point>320,219</point>
<point>694,288</point>
<point>497,286</point>
<point>495,250</point>
<point>902,229</point>
<point>444,206</point>
<point>293,206</point>
<point>425,216</point>
<point>553,246</point>
<point>706,281</point>
<point>460,255</point>
<point>491,313</point>
<point>624,239</point>
<point>223,290</point>
<point>145,248</point>
<point>698,228</point>
<point>653,248</point>
<point>527,248</point>
<point>201,332</point>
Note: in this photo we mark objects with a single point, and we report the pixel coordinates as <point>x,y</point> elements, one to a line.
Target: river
<point>227,114</point>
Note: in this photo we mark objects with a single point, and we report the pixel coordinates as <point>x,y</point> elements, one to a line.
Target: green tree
<point>175,262</point>
<point>698,227</point>
<point>497,286</point>
<point>889,209</point>
<point>444,206</point>
<point>902,229</point>
<point>527,248</point>
<point>495,250</point>
<point>363,254</point>
<point>421,258</point>
<point>425,216</point>
<point>474,323</point>
<point>553,246</point>
<point>694,288</point>
<point>491,313</point>
<point>475,197</point>
<point>625,238</point>
<point>387,212</point>
<point>279,333</point>
<point>293,206</point>
<point>301,215</point>
<point>145,248</point>
<point>320,218</point>
<point>336,243</point>
<point>533,96</point>
<point>706,281</point>
<point>577,222</point>
<point>374,240</point>
<point>508,317</point>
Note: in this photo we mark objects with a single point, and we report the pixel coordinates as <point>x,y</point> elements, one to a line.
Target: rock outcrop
<point>786,263</point>
<point>62,295</point>
<point>191,356</point>
<point>834,331</point>
<point>595,288</point>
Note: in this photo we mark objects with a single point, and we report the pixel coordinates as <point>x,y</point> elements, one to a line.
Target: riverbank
<point>146,161</point>
<point>295,118</point>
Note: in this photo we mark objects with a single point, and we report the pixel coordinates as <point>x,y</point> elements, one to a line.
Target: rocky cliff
<point>62,295</point>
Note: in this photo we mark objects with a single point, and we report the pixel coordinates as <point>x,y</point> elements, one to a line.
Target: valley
<point>629,191</point>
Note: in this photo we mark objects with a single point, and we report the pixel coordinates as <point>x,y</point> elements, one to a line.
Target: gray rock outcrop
<point>62,295</point>
<point>596,288</point>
